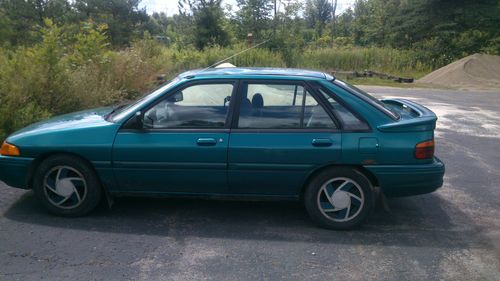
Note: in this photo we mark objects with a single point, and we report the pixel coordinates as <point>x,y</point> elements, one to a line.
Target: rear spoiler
<point>423,119</point>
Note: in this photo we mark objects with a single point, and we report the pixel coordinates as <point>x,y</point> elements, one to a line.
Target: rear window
<point>370,99</point>
<point>403,110</point>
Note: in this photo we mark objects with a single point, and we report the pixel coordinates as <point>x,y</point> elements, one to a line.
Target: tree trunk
<point>334,9</point>
<point>275,20</point>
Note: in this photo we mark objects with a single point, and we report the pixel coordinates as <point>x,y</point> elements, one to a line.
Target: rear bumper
<point>14,171</point>
<point>408,180</point>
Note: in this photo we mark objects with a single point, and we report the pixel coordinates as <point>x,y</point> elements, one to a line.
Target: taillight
<point>424,150</point>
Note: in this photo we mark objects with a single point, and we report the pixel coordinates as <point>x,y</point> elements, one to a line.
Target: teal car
<point>233,132</point>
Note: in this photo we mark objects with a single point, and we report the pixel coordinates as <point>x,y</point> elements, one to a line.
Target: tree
<point>123,17</point>
<point>201,22</point>
<point>208,18</point>
<point>317,14</point>
<point>254,17</point>
<point>25,18</point>
<point>344,24</point>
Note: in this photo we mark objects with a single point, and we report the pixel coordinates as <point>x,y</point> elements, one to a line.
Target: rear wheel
<point>66,186</point>
<point>339,198</point>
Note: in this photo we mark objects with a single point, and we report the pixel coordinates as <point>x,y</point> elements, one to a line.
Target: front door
<point>282,134</point>
<point>183,146</point>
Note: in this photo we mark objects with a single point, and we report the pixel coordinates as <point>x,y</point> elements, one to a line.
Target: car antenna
<point>237,54</point>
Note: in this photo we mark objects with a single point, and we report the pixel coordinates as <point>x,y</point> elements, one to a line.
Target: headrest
<point>257,101</point>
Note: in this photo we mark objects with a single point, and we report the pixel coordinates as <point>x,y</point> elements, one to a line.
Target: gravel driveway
<point>452,234</point>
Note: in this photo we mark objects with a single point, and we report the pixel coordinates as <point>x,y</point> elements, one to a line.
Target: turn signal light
<point>9,150</point>
<point>424,150</point>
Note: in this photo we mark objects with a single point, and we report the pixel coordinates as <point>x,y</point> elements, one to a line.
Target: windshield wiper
<point>115,109</point>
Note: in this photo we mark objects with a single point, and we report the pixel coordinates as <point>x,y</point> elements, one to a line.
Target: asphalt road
<point>452,234</point>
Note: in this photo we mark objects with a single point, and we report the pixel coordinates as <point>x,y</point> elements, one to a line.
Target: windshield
<point>370,99</point>
<point>125,110</point>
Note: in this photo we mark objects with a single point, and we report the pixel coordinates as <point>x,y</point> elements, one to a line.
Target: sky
<point>170,6</point>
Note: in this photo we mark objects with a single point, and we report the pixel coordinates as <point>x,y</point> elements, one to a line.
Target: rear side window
<point>349,120</point>
<point>281,106</point>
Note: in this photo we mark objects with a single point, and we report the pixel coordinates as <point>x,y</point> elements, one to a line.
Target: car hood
<point>71,121</point>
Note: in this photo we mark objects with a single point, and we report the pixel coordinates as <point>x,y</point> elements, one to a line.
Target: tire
<point>66,186</point>
<point>350,202</point>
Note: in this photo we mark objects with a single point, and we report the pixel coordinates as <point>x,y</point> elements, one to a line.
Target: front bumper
<point>408,180</point>
<point>14,171</point>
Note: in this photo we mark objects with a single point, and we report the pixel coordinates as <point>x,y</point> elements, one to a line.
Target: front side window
<point>197,106</point>
<point>281,106</point>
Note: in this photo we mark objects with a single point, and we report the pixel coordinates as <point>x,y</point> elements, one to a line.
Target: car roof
<point>256,71</point>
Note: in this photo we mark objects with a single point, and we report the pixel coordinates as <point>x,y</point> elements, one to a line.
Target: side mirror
<point>139,120</point>
<point>143,120</point>
<point>179,97</point>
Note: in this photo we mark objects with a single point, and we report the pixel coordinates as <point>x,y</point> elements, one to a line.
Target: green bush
<point>73,67</point>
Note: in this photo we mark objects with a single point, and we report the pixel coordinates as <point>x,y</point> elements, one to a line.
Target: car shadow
<point>415,221</point>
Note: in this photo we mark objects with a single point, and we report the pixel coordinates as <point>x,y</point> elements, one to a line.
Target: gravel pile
<point>475,72</point>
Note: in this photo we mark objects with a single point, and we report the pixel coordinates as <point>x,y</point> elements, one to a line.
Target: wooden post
<point>249,40</point>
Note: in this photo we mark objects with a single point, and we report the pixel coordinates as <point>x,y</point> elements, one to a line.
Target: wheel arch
<point>42,157</point>
<point>360,169</point>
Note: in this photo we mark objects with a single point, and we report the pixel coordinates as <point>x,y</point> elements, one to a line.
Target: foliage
<point>317,14</point>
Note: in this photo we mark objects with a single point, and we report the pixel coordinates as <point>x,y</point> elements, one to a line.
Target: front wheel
<point>339,198</point>
<point>66,186</point>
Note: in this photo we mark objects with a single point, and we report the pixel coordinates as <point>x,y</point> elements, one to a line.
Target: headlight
<point>9,150</point>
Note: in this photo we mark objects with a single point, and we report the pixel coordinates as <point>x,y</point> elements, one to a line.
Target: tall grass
<point>396,62</point>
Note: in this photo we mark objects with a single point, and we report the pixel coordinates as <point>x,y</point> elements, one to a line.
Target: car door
<point>280,134</point>
<point>183,145</point>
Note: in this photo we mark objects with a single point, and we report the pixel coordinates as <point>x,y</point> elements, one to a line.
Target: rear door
<point>183,146</point>
<point>280,133</point>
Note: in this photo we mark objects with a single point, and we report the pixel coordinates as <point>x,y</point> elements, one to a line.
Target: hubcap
<point>340,199</point>
<point>65,187</point>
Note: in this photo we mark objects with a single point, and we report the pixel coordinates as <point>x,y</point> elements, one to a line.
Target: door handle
<point>322,142</point>
<point>206,141</point>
